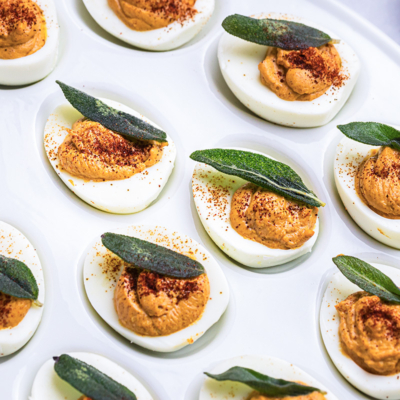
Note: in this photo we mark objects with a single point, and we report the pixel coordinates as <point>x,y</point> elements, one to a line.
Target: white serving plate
<point>272,312</point>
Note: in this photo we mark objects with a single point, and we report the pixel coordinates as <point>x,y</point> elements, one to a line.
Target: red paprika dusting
<point>176,10</point>
<point>14,12</point>
<point>311,60</point>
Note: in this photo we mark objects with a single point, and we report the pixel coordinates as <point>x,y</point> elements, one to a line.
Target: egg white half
<point>339,288</point>
<point>124,196</point>
<point>239,59</point>
<point>100,288</point>
<point>36,66</point>
<point>271,366</point>
<point>49,386</point>
<point>349,156</point>
<point>14,244</point>
<point>168,38</point>
<point>215,217</point>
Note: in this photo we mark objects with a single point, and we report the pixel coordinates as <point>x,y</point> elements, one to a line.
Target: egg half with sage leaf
<point>285,69</point>
<point>158,288</point>
<point>21,290</point>
<point>28,40</point>
<point>109,155</point>
<point>257,210</point>
<point>261,378</point>
<point>157,25</point>
<point>367,178</point>
<point>360,325</point>
<point>86,376</point>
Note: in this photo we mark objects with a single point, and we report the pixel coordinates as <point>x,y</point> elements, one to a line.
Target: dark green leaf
<point>261,170</point>
<point>372,133</point>
<point>118,121</point>
<point>17,280</point>
<point>287,35</point>
<point>152,257</point>
<point>368,278</point>
<point>264,384</point>
<point>89,380</point>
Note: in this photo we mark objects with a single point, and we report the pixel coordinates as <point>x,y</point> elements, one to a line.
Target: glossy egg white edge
<point>101,292</point>
<point>36,66</point>
<point>168,38</point>
<point>349,156</point>
<point>338,289</point>
<point>239,59</point>
<point>271,366</point>
<point>218,225</point>
<point>14,244</point>
<point>49,386</point>
<point>124,196</point>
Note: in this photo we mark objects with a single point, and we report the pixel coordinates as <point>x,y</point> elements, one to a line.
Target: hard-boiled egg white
<point>239,59</point>
<point>49,386</point>
<point>32,68</point>
<point>100,282</point>
<point>349,156</point>
<point>168,38</point>
<point>14,244</point>
<point>339,288</point>
<point>271,366</point>
<point>213,192</point>
<point>122,196</point>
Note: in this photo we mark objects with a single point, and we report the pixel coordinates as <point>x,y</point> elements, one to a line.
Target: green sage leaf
<point>287,35</point>
<point>368,278</point>
<point>264,384</point>
<point>89,380</point>
<point>152,257</point>
<point>256,168</point>
<point>16,279</point>
<point>372,133</point>
<point>118,121</point>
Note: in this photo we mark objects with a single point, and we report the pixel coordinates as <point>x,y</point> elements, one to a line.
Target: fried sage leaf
<point>118,121</point>
<point>256,168</point>
<point>16,279</point>
<point>287,35</point>
<point>368,278</point>
<point>372,133</point>
<point>264,384</point>
<point>150,256</point>
<point>89,380</point>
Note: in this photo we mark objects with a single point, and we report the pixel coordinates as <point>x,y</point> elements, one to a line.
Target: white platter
<point>272,311</point>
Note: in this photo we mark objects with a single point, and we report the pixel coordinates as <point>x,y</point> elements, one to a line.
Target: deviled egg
<point>285,70</point>
<point>360,330</point>
<point>86,376</point>
<point>28,40</point>
<point>156,287</point>
<point>367,180</point>
<point>253,207</point>
<point>152,24</point>
<point>112,157</point>
<point>274,378</point>
<point>21,290</point>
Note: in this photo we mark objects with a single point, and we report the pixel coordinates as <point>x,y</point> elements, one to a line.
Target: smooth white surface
<point>100,290</point>
<point>338,289</point>
<point>49,386</point>
<point>215,217</point>
<point>273,311</point>
<point>25,70</point>
<point>14,244</point>
<point>168,38</point>
<point>239,59</point>
<point>123,196</point>
<point>271,366</point>
<point>349,156</point>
